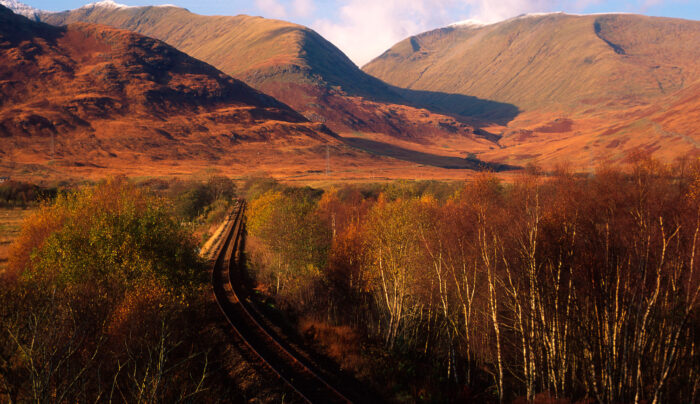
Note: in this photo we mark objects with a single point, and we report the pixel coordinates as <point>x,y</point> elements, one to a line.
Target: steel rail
<point>305,381</point>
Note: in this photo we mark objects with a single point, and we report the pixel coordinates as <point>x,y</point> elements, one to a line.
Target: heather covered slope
<point>290,62</point>
<point>90,95</point>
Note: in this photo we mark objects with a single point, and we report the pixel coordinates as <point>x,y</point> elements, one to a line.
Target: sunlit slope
<point>553,61</point>
<point>589,88</point>
<point>93,96</point>
<point>288,61</point>
<point>250,48</point>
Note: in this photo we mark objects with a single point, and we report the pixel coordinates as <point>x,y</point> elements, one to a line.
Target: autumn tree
<point>546,286</point>
<point>104,281</point>
<point>296,241</point>
<point>395,253</point>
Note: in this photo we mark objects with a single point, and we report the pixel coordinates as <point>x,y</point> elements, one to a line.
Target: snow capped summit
<point>468,23</point>
<point>472,23</point>
<point>106,4</point>
<point>111,4</point>
<point>22,9</point>
<point>531,15</point>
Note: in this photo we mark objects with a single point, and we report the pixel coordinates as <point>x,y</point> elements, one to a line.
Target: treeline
<point>196,199</point>
<point>558,286</point>
<point>199,202</point>
<point>102,301</point>
<point>18,194</point>
<point>203,199</point>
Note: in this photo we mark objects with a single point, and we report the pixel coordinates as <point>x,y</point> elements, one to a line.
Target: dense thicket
<point>565,286</point>
<point>102,290</point>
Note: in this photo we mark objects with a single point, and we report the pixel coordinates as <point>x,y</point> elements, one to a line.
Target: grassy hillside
<point>550,61</point>
<point>588,88</point>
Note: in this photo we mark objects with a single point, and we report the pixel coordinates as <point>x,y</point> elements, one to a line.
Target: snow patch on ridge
<point>530,15</point>
<point>468,23</point>
<point>472,23</point>
<point>106,4</point>
<point>22,9</point>
<point>111,4</point>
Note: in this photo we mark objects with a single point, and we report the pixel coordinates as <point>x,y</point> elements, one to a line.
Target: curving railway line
<point>293,369</point>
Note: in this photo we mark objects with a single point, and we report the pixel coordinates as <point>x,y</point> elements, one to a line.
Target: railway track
<point>293,369</point>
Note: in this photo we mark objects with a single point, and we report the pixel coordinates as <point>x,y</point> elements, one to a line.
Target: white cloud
<point>493,11</point>
<point>303,8</point>
<point>582,4</point>
<point>284,9</point>
<point>366,28</point>
<point>271,8</point>
<point>650,3</point>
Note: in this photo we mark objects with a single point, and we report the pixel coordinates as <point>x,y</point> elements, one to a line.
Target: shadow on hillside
<point>356,82</point>
<point>388,150</point>
<point>461,106</point>
<point>465,108</point>
<point>15,29</point>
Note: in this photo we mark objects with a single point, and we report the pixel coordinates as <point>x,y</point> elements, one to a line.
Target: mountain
<point>290,62</point>
<point>93,96</point>
<point>550,61</point>
<point>23,9</point>
<point>588,87</point>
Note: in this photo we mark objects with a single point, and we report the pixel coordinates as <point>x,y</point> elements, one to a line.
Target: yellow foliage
<point>35,229</point>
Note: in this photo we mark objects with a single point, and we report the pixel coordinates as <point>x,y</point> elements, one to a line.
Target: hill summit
<point>86,95</point>
<point>588,87</point>
<point>288,61</point>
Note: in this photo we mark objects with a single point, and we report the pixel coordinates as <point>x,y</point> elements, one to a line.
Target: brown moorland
<point>293,64</point>
<point>86,100</point>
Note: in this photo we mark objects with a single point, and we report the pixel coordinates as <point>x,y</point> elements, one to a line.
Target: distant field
<point>10,224</point>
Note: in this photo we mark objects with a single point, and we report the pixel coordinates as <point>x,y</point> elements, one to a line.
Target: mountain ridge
<point>502,61</point>
<point>543,88</point>
<point>90,95</point>
<point>23,9</point>
<point>291,62</point>
<point>608,77</point>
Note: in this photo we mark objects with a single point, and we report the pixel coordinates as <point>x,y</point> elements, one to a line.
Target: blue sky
<point>363,29</point>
